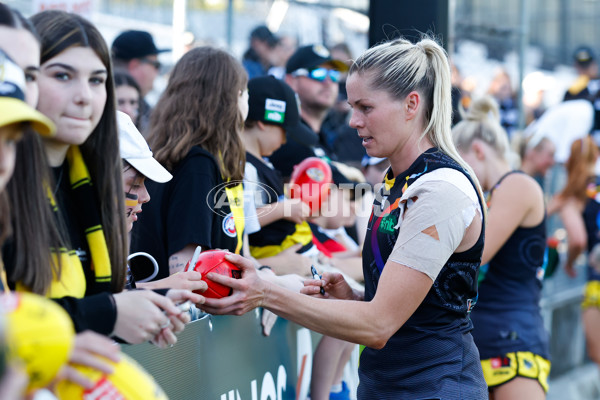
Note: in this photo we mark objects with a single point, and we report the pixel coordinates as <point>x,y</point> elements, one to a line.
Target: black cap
<point>134,44</point>
<point>583,56</point>
<point>272,101</point>
<point>264,34</point>
<point>312,56</point>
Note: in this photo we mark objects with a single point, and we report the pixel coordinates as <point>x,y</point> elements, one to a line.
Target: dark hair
<point>250,123</point>
<point>14,19</point>
<point>60,31</point>
<point>4,217</point>
<point>123,78</point>
<point>199,107</point>
<point>34,230</point>
<point>264,34</point>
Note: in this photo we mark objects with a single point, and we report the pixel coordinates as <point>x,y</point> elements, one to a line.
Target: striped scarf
<point>72,281</point>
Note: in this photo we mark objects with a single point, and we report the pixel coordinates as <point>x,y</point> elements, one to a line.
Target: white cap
<point>135,151</point>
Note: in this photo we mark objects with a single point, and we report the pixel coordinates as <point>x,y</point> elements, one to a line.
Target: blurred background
<point>532,40</point>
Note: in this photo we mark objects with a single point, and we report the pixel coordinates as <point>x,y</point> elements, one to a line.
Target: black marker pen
<point>316,276</point>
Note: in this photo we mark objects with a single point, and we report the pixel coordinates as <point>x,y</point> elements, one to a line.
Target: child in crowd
<point>200,145</point>
<point>138,164</point>
<point>272,115</point>
<point>195,134</point>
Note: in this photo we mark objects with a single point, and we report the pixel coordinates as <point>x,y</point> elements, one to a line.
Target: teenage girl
<point>77,94</point>
<point>195,134</point>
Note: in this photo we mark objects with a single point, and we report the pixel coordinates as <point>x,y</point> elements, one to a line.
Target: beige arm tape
<point>434,220</point>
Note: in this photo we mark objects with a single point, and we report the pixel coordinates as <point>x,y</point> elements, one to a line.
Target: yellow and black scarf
<point>72,277</point>
<point>235,197</point>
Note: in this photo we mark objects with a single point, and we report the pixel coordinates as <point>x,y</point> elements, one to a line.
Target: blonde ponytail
<point>399,67</point>
<point>440,115</point>
<point>438,129</point>
<point>482,122</point>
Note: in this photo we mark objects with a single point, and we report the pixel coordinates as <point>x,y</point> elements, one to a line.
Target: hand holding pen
<point>316,276</point>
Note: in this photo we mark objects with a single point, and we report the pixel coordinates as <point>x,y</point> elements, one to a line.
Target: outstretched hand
<point>183,300</point>
<point>248,292</point>
<point>190,280</point>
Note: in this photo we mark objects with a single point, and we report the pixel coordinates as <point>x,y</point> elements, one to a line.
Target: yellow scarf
<point>235,197</point>
<point>72,280</point>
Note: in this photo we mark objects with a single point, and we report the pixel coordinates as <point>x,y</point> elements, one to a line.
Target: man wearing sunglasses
<point>314,76</point>
<point>135,53</point>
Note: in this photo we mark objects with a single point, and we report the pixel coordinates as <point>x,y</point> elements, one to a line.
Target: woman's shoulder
<point>519,192</point>
<point>522,185</point>
<point>439,180</point>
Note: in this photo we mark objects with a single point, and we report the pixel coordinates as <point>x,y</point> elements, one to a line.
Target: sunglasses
<point>319,74</point>
<point>155,63</point>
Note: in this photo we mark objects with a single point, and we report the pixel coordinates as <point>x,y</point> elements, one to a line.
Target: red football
<point>310,182</point>
<point>214,261</point>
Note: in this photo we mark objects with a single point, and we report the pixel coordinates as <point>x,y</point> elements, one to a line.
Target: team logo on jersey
<point>388,224</point>
<point>229,225</point>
